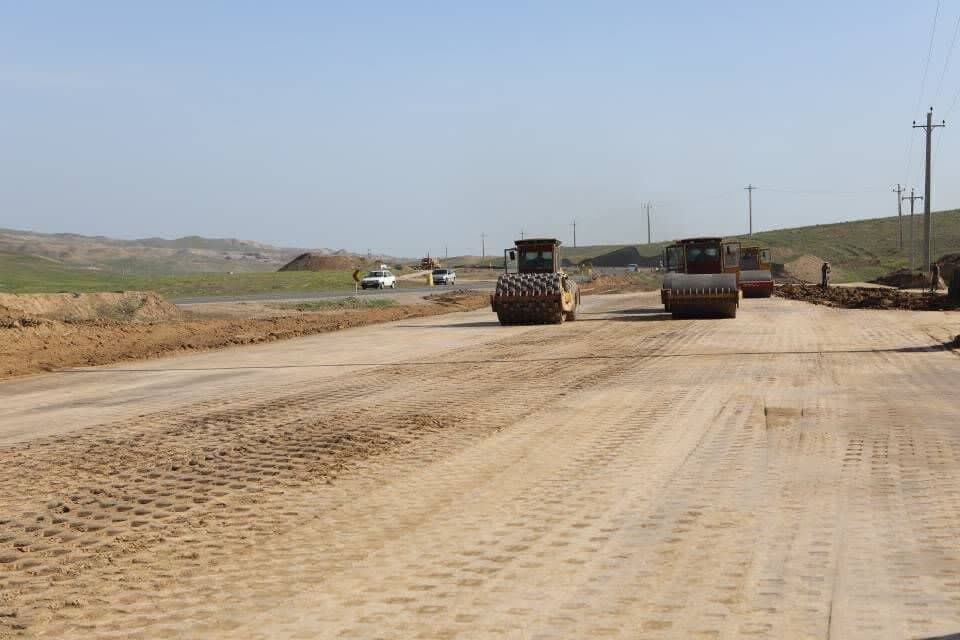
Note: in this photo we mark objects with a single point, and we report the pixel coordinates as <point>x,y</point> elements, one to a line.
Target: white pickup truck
<point>380,279</point>
<point>444,276</point>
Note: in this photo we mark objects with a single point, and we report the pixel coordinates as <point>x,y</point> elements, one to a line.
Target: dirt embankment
<point>904,279</point>
<point>127,306</point>
<point>30,344</point>
<point>806,268</point>
<point>319,262</point>
<point>867,298</point>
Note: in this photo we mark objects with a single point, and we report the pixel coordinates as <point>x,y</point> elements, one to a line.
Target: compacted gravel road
<point>791,473</point>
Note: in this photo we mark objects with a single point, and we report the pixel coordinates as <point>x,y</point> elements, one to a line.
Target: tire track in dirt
<point>179,475</point>
<point>792,495</point>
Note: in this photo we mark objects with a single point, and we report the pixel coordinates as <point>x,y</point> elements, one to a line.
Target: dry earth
<point>792,473</point>
<point>31,342</point>
<point>867,297</point>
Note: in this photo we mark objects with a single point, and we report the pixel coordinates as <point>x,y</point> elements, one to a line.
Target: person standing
<point>934,277</point>
<point>825,275</point>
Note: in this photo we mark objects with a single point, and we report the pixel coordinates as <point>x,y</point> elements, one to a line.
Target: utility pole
<point>574,225</point>
<point>647,206</point>
<point>749,189</point>
<point>913,243</point>
<point>927,224</point>
<point>446,252</point>
<point>521,234</point>
<point>899,191</point>
<point>483,245</point>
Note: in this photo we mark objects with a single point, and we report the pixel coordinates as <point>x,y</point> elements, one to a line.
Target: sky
<point>408,127</point>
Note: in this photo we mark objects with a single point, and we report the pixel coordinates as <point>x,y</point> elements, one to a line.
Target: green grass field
<point>859,250</point>
<point>28,274</point>
<point>863,249</point>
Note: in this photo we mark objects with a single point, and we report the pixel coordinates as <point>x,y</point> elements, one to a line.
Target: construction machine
<point>539,292</point>
<point>702,278</point>
<point>756,279</point>
<point>428,263</point>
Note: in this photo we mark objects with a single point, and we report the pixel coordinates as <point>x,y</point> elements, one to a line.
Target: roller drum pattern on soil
<point>795,473</point>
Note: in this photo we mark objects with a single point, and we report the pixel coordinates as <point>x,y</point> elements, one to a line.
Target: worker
<point>934,277</point>
<point>825,275</point>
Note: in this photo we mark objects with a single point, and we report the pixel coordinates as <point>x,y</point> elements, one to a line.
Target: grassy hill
<point>862,249</point>
<point>187,267</point>
<point>148,256</point>
<point>32,274</point>
<point>858,250</point>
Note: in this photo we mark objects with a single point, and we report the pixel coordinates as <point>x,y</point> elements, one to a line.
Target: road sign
<point>356,275</point>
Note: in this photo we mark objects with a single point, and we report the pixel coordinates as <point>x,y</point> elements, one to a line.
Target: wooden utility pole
<point>927,223</point>
<point>749,189</point>
<point>899,191</point>
<point>913,243</point>
<point>483,245</point>
<point>574,225</point>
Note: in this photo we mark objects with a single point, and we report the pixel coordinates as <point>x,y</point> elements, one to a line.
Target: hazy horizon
<point>406,130</point>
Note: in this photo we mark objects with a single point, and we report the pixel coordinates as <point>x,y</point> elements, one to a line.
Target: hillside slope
<point>147,256</point>
<point>858,250</point>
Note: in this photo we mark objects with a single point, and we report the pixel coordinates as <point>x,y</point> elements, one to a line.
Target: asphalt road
<point>791,473</point>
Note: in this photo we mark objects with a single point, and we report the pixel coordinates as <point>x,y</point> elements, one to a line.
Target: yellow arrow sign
<point>356,275</point>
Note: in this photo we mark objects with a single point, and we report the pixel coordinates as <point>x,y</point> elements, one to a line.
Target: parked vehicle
<point>444,276</point>
<point>381,279</point>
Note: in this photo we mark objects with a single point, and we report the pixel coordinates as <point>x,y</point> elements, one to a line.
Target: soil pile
<point>127,306</point>
<point>624,256</point>
<point>807,269</point>
<point>904,279</point>
<point>866,298</point>
<point>30,346</point>
<point>318,262</point>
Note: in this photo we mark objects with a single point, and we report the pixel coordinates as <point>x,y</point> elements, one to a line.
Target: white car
<point>379,280</point>
<point>444,276</point>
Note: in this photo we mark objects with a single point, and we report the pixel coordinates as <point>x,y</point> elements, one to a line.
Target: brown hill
<point>318,262</point>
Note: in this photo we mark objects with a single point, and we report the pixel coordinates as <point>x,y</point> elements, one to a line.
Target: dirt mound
<point>318,262</point>
<point>30,346</point>
<point>127,306</point>
<point>624,256</point>
<point>904,279</point>
<point>807,268</point>
<point>866,298</point>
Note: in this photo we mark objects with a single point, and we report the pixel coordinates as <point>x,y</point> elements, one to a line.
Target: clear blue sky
<point>409,126</point>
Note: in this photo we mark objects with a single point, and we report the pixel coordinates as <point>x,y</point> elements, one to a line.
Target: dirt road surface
<point>792,473</point>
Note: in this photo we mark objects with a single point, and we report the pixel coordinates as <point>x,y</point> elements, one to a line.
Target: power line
<point>946,62</point>
<point>923,84</point>
<point>926,66</point>
<point>819,192</point>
